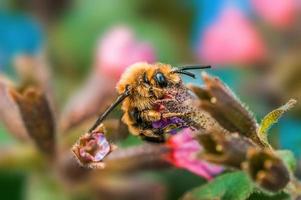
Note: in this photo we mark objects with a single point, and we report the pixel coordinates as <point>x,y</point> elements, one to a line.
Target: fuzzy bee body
<point>158,95</point>
<point>186,101</point>
<point>148,85</point>
<point>155,102</point>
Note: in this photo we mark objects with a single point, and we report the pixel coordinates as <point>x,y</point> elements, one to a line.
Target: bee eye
<point>160,79</point>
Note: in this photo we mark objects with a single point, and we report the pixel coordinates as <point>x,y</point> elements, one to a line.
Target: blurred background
<point>78,49</point>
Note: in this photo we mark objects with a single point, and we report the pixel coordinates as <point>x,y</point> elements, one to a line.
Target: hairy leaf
<point>228,150</point>
<point>230,186</point>
<point>272,118</point>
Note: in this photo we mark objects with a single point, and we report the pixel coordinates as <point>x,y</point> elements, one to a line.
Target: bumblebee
<point>155,101</point>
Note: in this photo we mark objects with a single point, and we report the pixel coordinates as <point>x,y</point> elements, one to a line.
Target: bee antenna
<point>191,67</point>
<point>178,71</point>
<point>119,99</point>
<point>182,69</point>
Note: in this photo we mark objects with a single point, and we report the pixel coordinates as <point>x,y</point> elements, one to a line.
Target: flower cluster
<point>244,144</point>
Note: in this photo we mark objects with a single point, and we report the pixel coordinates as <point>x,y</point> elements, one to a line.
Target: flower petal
<point>92,148</point>
<point>185,149</point>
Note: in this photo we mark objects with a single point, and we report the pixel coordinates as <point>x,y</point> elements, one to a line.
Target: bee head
<point>146,80</point>
<point>149,79</point>
<point>160,76</point>
<point>164,75</point>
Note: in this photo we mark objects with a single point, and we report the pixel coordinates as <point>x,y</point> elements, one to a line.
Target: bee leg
<point>150,132</point>
<point>169,115</point>
<point>154,135</point>
<point>165,101</point>
<point>150,115</point>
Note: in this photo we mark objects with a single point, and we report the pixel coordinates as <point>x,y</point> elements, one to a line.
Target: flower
<point>92,148</point>
<point>232,39</point>
<point>118,49</point>
<point>37,116</point>
<point>267,170</point>
<point>280,13</point>
<point>184,150</point>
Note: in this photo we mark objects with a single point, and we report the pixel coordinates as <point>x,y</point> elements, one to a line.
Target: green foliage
<point>175,187</point>
<point>177,181</point>
<point>11,185</point>
<point>230,186</point>
<point>43,187</point>
<point>4,136</point>
<point>289,159</point>
<point>265,196</point>
<point>130,141</point>
<point>74,39</point>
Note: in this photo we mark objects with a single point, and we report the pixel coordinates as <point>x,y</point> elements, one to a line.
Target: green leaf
<point>264,196</point>
<point>272,118</point>
<point>289,159</point>
<point>230,186</point>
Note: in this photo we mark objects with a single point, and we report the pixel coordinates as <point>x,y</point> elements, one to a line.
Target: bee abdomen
<point>135,116</point>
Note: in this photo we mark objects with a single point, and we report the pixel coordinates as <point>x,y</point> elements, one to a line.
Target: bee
<point>155,101</point>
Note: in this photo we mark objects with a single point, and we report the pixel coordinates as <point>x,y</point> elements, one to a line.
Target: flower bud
<point>228,150</point>
<point>267,170</point>
<point>92,148</point>
<point>221,103</point>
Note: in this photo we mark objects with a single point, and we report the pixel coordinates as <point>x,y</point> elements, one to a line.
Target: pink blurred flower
<point>280,13</point>
<point>232,39</point>
<point>119,48</point>
<point>184,155</point>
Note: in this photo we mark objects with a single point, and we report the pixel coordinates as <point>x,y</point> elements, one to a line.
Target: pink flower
<point>232,39</point>
<point>280,13</point>
<point>184,155</point>
<point>118,49</point>
<point>92,148</point>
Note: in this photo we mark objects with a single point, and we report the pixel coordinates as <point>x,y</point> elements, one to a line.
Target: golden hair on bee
<point>142,74</point>
<point>146,83</point>
<point>142,90</point>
